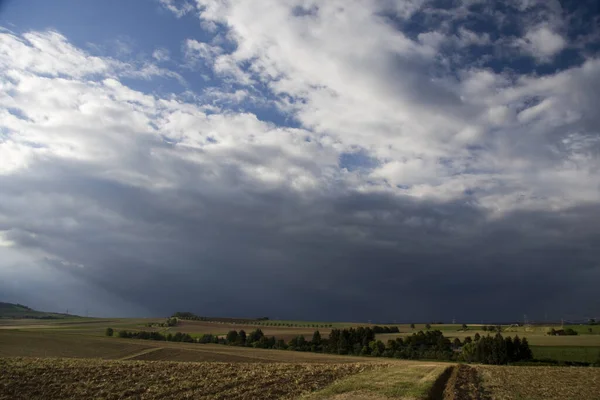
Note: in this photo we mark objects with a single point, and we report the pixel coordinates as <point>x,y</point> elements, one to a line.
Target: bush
<point>109,332</point>
<point>562,332</point>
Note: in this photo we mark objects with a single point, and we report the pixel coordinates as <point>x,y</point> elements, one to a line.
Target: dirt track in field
<point>464,383</point>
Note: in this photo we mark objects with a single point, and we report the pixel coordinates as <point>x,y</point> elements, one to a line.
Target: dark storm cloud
<point>418,183</point>
<point>329,256</point>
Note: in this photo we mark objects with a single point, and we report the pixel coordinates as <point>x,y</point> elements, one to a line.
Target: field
<point>537,337</point>
<point>540,383</point>
<point>83,379</point>
<point>405,381</point>
<point>567,353</point>
<point>53,344</point>
<point>70,357</point>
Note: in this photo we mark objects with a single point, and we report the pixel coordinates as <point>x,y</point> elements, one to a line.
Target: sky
<point>366,160</point>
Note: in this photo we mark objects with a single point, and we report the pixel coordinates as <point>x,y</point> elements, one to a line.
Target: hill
<point>19,311</point>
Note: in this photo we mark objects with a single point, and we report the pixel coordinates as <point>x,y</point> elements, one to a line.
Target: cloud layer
<point>347,160</point>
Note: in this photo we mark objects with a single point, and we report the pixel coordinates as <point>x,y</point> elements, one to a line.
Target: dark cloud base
<point>338,255</point>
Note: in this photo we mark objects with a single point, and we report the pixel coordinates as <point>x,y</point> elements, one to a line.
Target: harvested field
<point>56,344</point>
<point>24,378</point>
<point>184,355</point>
<point>541,383</point>
<point>40,344</point>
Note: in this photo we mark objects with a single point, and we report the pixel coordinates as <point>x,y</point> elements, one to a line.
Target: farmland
<point>584,347</point>
<point>70,357</point>
<point>80,379</point>
<point>540,383</point>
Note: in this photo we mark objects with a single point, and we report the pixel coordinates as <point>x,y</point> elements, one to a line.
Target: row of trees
<point>144,335</point>
<point>292,324</point>
<point>189,316</point>
<point>361,342</point>
<point>170,322</point>
<point>422,345</point>
<point>492,328</point>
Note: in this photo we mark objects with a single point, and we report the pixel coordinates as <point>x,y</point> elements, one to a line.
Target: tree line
<point>361,341</point>
<point>262,321</point>
<point>170,322</point>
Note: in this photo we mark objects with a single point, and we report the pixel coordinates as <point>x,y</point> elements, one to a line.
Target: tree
<point>464,327</point>
<point>254,336</point>
<point>477,337</point>
<point>316,339</point>
<point>516,348</point>
<point>428,326</point>
<point>510,348</point>
<point>456,343</point>
<point>499,350</point>
<point>242,337</point>
<point>525,351</point>
<point>109,332</point>
<point>412,326</point>
<point>232,337</point>
<point>343,344</point>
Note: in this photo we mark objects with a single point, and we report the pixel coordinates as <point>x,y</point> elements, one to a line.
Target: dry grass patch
<point>537,383</point>
<point>401,381</point>
<point>24,378</point>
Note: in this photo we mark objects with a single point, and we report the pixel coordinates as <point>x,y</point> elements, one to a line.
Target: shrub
<point>109,332</point>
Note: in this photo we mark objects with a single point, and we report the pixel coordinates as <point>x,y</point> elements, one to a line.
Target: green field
<point>567,353</point>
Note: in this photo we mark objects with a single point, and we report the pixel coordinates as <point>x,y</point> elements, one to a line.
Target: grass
<point>541,383</point>
<point>535,338</point>
<point>567,353</point>
<point>407,381</point>
<point>81,379</point>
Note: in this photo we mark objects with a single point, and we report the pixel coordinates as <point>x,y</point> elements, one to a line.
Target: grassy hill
<point>10,310</point>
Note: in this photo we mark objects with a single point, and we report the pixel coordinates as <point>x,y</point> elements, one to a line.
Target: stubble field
<point>540,383</point>
<point>85,379</point>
